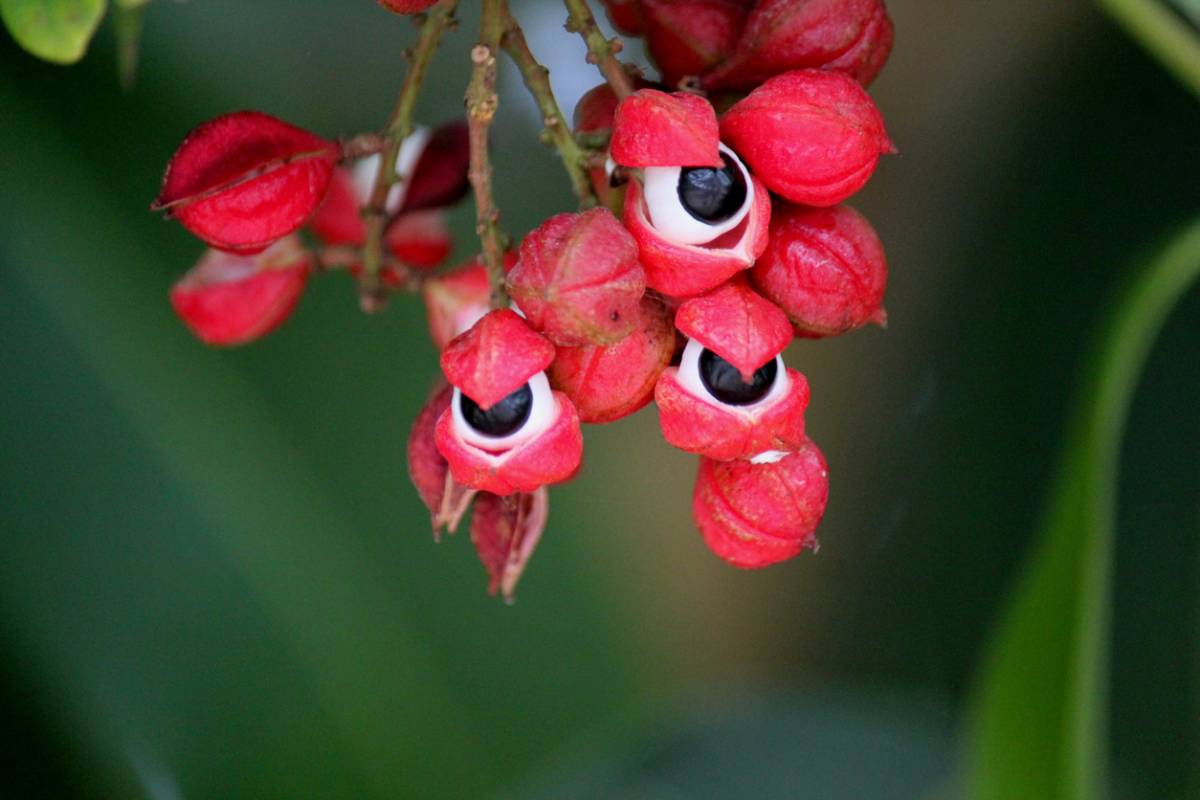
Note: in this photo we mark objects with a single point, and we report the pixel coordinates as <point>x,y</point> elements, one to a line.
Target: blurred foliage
<point>56,30</point>
<point>217,582</point>
<point>1042,721</point>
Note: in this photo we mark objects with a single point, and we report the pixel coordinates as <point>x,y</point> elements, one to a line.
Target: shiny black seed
<point>501,419</point>
<point>725,383</point>
<point>712,195</point>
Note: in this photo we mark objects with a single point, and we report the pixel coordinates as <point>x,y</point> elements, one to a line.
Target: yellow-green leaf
<point>53,30</point>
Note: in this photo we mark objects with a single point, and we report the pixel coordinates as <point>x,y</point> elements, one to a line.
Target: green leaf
<point>1165,34</point>
<point>1040,705</point>
<point>53,30</point>
<point>127,23</point>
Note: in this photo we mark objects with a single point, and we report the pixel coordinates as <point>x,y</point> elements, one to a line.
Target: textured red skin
<point>688,37</point>
<point>656,129</point>
<point>813,137</point>
<point>552,457</point>
<point>609,383</point>
<point>755,515</point>
<point>243,180</point>
<point>456,296</point>
<point>420,239</point>
<point>505,532</point>
<point>440,175</point>
<point>626,16</point>
<point>685,270</point>
<point>495,357</point>
<point>578,280</point>
<point>707,428</point>
<point>406,6</point>
<point>426,467</point>
<point>737,324</point>
<point>849,36</point>
<point>826,269</point>
<point>229,299</point>
<point>429,472</point>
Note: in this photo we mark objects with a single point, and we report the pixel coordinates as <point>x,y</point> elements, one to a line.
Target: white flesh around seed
<point>365,170</point>
<point>666,213</point>
<point>542,413</point>
<point>689,378</point>
<point>769,457</point>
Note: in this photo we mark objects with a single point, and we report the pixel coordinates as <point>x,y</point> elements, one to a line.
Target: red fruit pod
<point>438,177</point>
<point>446,500</point>
<point>849,36</point>
<point>731,396</point>
<point>686,38</point>
<point>754,515</point>
<point>244,180</point>
<point>684,255</point>
<point>626,16</point>
<point>505,532</point>
<point>825,267</point>
<point>338,219</point>
<point>506,431</point>
<point>229,299</point>
<point>456,300</point>
<point>420,239</point>
<point>607,383</point>
<point>407,6</point>
<point>814,137</point>
<point>578,280</point>
<point>656,129</point>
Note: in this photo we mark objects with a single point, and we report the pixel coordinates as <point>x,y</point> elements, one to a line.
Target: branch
<point>537,80</point>
<point>435,23</point>
<point>481,109</point>
<point>601,51</point>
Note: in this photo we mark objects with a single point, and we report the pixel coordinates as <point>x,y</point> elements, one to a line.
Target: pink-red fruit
<point>688,37</point>
<point>505,531</point>
<point>849,36</point>
<point>656,129</point>
<point>446,500</point>
<point>754,515</point>
<point>825,267</point>
<point>578,280</point>
<point>244,180</point>
<point>406,6</point>
<point>498,357</point>
<point>229,299</point>
<point>607,383</point>
<point>813,137</point>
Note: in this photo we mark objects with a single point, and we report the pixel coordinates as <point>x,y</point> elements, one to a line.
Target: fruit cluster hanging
<point>711,232</point>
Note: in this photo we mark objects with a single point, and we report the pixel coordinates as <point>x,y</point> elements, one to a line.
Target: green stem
<point>481,109</point>
<point>537,80</point>
<point>601,51</point>
<point>1167,36</point>
<point>399,127</point>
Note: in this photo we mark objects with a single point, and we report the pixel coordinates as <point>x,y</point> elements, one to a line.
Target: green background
<point>216,580</point>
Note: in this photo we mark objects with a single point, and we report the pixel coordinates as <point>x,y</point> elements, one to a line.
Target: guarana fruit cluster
<point>720,236</point>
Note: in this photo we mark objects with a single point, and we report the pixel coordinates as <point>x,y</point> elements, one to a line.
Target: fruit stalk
<point>481,109</point>
<point>399,127</point>
<point>537,80</point>
<point>601,51</point>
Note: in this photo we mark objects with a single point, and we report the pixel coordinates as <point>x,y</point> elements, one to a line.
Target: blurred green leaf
<point>1166,35</point>
<point>1041,702</point>
<point>127,23</point>
<point>53,30</point>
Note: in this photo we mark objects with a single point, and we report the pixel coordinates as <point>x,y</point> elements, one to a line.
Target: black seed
<point>725,383</point>
<point>712,195</point>
<point>501,419</point>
